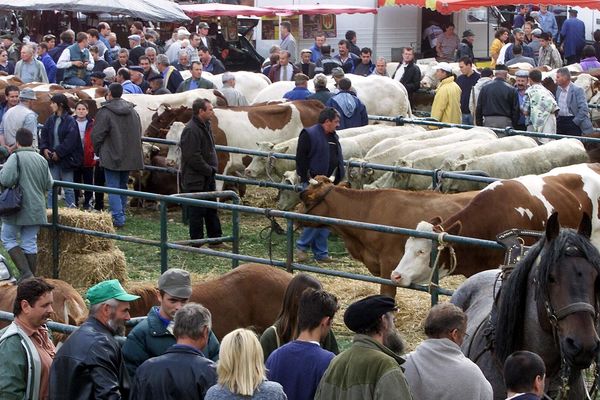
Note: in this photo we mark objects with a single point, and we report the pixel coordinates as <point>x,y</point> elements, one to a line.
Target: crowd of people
<point>173,353</point>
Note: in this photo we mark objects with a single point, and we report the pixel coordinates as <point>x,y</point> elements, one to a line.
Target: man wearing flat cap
<point>135,49</point>
<point>300,91</point>
<point>465,47</point>
<point>90,365</point>
<point>137,78</point>
<point>97,79</point>
<point>370,368</point>
<point>153,336</point>
<point>234,97</point>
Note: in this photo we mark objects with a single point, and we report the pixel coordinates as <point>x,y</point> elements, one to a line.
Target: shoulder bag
<point>12,197</point>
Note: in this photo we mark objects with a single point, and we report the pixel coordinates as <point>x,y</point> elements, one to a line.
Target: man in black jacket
<point>183,372</point>
<point>498,102</point>
<point>408,73</point>
<point>199,164</point>
<point>90,365</point>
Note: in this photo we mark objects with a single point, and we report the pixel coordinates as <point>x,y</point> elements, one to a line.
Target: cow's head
<point>288,199</point>
<point>258,166</point>
<point>314,197</point>
<point>359,176</point>
<point>415,265</point>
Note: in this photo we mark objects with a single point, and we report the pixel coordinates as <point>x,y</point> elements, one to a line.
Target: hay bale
<point>75,243</point>
<point>85,270</point>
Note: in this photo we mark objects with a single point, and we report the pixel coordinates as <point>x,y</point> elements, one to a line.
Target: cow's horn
<point>313,181</point>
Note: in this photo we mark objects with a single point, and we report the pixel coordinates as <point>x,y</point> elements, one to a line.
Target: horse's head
<point>567,290</point>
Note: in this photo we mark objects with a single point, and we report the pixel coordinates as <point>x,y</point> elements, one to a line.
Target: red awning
<point>318,9</point>
<point>224,10</point>
<point>450,6</point>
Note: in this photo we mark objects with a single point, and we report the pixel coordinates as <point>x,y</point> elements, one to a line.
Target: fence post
<point>55,237</point>
<point>289,242</point>
<point>235,227</point>
<point>434,284</point>
<point>164,255</point>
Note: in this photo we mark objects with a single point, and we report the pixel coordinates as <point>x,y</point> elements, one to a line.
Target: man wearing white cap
<point>173,51</point>
<point>234,97</point>
<point>446,103</point>
<point>19,116</point>
<point>306,66</point>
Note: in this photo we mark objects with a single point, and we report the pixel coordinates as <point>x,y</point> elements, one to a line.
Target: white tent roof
<point>152,10</point>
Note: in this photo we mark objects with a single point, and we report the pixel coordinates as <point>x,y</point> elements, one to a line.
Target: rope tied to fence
<point>442,244</point>
<point>269,168</point>
<point>273,227</point>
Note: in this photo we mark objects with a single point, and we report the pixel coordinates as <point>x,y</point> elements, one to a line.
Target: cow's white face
<point>288,199</point>
<point>414,267</point>
<point>258,166</point>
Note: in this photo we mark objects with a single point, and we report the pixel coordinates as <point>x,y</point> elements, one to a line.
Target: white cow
<point>587,83</point>
<point>444,154</point>
<point>379,94</point>
<point>512,164</point>
<point>174,134</point>
<point>352,146</point>
<point>147,105</point>
<point>248,83</point>
<point>359,177</point>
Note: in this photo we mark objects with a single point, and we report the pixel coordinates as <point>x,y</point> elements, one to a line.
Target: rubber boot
<point>32,261</point>
<point>18,257</point>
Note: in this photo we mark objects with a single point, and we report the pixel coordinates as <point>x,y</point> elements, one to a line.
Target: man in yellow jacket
<point>446,103</point>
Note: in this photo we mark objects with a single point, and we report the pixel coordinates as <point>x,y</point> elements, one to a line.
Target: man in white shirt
<point>77,62</point>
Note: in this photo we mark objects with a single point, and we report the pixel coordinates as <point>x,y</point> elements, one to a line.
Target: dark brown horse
<point>248,296</point>
<point>548,305</point>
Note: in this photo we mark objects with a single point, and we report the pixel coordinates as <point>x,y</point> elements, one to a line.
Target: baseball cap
<point>107,290</point>
<point>338,72</point>
<point>176,282</point>
<point>517,30</point>
<point>364,313</point>
<point>444,66</point>
<point>203,25</point>
<point>27,94</point>
<point>468,33</point>
<point>98,75</point>
<point>136,68</point>
<point>522,74</point>
<point>536,32</point>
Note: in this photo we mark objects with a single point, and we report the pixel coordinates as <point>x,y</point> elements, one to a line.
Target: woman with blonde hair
<point>241,370</point>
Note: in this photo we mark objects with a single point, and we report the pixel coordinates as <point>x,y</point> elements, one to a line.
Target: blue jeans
<point>28,233</point>
<point>66,175</point>
<point>467,119</point>
<point>118,204</point>
<point>315,239</point>
<point>74,81</point>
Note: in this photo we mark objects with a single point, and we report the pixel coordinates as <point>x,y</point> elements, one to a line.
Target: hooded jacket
<point>353,112</point>
<point>117,136</point>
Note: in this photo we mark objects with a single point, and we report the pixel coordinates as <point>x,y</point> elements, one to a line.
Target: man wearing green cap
<point>90,364</point>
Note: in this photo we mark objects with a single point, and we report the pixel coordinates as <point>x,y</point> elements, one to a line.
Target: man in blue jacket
<point>353,112</point>
<point>300,92</point>
<point>572,36</point>
<point>318,153</point>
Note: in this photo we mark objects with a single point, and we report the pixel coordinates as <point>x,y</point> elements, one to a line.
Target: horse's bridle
<point>554,317</point>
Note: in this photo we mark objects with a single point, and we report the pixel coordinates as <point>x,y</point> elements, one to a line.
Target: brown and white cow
<point>525,202</point>
<point>245,126</point>
<point>380,252</point>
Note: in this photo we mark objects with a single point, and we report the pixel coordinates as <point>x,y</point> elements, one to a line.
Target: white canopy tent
<point>151,10</point>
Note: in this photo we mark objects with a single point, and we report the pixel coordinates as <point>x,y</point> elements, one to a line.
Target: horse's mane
<point>513,296</point>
